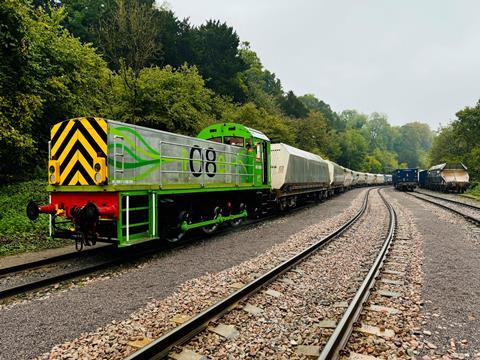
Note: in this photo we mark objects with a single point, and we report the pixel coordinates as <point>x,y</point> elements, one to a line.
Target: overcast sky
<point>413,60</point>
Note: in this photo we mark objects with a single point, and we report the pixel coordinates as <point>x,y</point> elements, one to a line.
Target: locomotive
<point>405,179</point>
<point>122,183</point>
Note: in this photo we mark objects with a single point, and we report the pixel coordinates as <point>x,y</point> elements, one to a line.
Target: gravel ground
<point>309,296</point>
<point>463,209</point>
<point>57,268</point>
<point>451,289</point>
<point>403,266</point>
<point>33,327</point>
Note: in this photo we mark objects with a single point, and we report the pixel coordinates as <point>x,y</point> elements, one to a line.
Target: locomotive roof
<point>449,166</point>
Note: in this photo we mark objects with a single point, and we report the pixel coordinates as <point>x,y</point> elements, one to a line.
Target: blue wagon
<point>405,179</point>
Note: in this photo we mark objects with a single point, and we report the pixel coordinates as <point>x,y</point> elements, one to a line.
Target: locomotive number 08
<point>196,161</point>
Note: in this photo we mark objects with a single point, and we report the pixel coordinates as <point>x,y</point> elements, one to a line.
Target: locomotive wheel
<point>176,233</point>
<point>238,221</point>
<point>212,228</point>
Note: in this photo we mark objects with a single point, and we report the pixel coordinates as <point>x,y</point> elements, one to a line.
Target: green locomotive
<point>124,183</point>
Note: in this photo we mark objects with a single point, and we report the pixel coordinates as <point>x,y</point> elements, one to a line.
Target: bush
<point>17,233</point>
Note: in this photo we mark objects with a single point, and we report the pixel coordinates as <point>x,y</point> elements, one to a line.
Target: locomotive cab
<point>253,141</point>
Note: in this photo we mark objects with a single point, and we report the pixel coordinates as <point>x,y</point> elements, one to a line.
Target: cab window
<point>234,140</point>
<point>216,139</point>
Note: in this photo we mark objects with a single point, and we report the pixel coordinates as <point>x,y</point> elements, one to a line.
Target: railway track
<point>115,257</point>
<point>161,347</point>
<point>335,345</point>
<point>469,212</point>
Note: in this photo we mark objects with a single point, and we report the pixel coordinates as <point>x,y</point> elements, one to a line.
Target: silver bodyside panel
<point>143,156</point>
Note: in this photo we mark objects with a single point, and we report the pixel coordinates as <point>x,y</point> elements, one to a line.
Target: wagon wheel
<point>176,233</point>
<point>211,228</point>
<point>238,221</point>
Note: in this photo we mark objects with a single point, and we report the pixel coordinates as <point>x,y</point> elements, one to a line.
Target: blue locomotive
<point>405,179</point>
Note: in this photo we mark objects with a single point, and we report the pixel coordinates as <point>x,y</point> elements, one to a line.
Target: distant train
<point>117,182</point>
<point>445,177</point>
<point>405,179</point>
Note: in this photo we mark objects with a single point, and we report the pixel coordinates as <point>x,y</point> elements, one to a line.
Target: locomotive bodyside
<point>125,183</point>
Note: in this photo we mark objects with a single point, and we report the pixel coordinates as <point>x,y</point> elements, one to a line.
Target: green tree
<point>292,106</point>
<point>354,148</point>
<point>128,35</point>
<point>259,85</point>
<point>166,99</point>
<point>274,126</point>
<point>216,54</point>
<point>46,75</point>
<point>332,118</point>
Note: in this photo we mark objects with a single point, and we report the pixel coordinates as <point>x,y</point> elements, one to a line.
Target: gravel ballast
<point>398,315</point>
<point>33,327</point>
<point>306,302</point>
<point>451,289</point>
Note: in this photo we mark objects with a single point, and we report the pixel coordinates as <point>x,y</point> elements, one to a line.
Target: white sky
<point>413,60</point>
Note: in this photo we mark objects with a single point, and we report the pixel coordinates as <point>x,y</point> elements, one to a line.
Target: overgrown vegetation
<point>17,232</point>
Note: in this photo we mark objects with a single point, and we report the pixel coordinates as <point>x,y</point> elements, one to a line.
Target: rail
<point>161,347</point>
<point>342,332</point>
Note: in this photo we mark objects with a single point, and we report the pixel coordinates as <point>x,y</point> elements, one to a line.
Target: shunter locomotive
<point>117,182</point>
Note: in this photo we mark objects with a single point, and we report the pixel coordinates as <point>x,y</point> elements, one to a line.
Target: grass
<point>474,190</point>
<point>17,233</point>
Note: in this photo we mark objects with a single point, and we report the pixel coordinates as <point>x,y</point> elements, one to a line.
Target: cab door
<point>261,163</point>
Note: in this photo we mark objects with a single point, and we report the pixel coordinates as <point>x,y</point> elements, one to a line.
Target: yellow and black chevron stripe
<point>75,144</point>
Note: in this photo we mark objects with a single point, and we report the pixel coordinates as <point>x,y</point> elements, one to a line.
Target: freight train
<point>445,177</point>
<point>122,183</point>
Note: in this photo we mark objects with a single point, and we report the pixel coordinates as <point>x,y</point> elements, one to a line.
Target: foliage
<point>259,85</point>
<point>460,141</point>
<point>17,232</point>
<point>165,99</point>
<point>45,75</point>
<point>292,106</point>
<point>128,35</point>
<point>274,126</point>
<point>313,104</point>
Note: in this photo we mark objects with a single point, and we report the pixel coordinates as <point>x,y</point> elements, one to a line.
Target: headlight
<point>52,178</point>
<point>98,177</point>
<point>51,169</point>
<point>97,167</point>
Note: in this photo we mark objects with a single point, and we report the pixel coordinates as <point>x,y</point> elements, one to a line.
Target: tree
<point>166,99</point>
<point>353,149</point>
<point>128,36</point>
<point>46,75</point>
<point>292,106</point>
<point>412,144</point>
<point>274,126</point>
<point>459,142</point>
<point>353,119</point>
<point>84,17</point>
<point>216,54</point>
<point>259,85</point>
<point>332,118</point>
